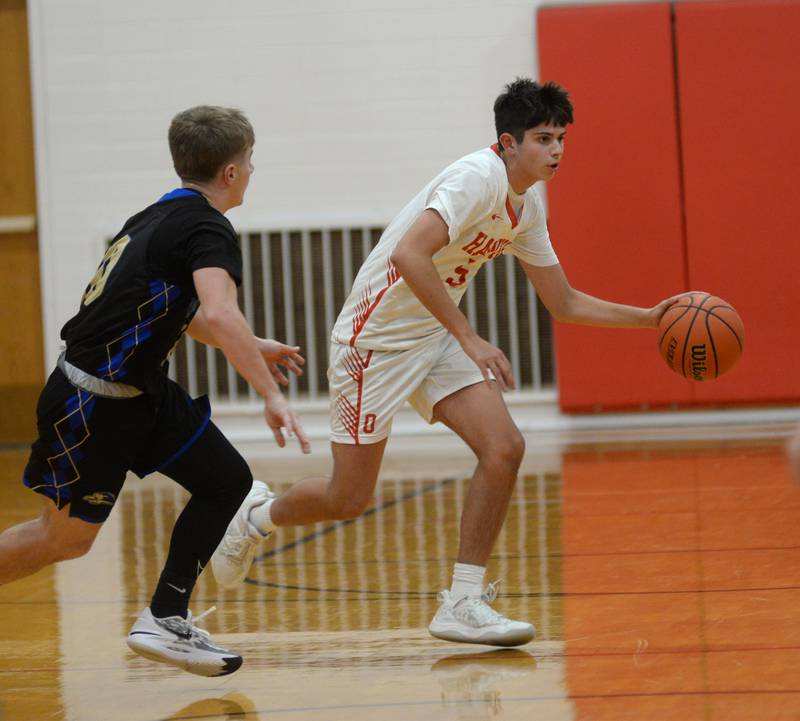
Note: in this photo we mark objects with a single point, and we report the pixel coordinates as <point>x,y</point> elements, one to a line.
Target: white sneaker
<point>472,620</point>
<point>178,642</point>
<point>231,561</point>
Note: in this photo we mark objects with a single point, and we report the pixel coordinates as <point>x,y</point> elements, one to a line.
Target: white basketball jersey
<point>485,219</point>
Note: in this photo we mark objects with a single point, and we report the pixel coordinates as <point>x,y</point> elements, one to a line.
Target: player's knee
<point>63,538</point>
<point>225,485</point>
<point>516,451</point>
<point>346,508</point>
<point>507,451</point>
<point>68,547</point>
<point>240,480</point>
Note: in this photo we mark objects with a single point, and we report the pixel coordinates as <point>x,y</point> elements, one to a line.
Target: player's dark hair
<point>525,104</point>
<point>204,138</point>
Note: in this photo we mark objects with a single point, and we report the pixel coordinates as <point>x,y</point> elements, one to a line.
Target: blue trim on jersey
<point>161,295</point>
<point>178,193</point>
<point>185,447</point>
<point>56,484</point>
<point>48,488</point>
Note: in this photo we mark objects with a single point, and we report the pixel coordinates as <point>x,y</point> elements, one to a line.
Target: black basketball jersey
<point>142,297</point>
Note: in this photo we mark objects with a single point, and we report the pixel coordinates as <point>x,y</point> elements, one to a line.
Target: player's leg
<point>455,393</point>
<point>465,614</point>
<point>78,464</point>
<point>367,388</point>
<point>218,479</point>
<point>344,495</point>
<point>499,448</point>
<point>53,536</point>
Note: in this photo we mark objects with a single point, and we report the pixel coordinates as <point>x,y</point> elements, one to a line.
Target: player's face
<point>538,156</point>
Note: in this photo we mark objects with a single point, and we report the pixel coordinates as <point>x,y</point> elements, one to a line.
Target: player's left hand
<point>279,354</point>
<point>654,314</point>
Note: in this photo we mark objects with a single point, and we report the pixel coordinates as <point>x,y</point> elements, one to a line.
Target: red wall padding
<point>614,206</point>
<point>740,117</point>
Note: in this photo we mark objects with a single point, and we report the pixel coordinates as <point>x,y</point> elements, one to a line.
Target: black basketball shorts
<point>88,443</point>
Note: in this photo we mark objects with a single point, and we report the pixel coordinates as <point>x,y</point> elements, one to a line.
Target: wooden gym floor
<point>662,577</point>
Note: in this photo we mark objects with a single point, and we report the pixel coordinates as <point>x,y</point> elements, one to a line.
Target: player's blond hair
<point>204,138</point>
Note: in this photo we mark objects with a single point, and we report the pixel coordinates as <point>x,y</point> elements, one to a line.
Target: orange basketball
<point>701,336</point>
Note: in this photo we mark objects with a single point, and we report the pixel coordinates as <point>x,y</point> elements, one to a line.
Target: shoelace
<point>490,592</point>
<point>186,626</point>
<point>478,606</point>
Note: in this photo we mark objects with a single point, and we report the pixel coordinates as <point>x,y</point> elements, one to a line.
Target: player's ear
<point>507,141</point>
<point>229,173</point>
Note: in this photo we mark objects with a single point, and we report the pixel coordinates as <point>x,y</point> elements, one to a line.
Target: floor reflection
<point>380,571</point>
<point>680,583</point>
<point>662,579</point>
<point>472,683</point>
<point>230,707</point>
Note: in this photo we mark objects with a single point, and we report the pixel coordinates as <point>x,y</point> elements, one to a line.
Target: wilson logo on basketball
<point>699,362</point>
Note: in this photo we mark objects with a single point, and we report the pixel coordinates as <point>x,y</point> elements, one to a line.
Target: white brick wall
<point>355,103</point>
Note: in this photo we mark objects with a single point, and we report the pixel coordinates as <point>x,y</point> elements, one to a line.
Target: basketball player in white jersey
<point>401,337</point>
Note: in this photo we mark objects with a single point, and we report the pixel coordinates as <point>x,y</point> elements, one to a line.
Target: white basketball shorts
<point>368,387</point>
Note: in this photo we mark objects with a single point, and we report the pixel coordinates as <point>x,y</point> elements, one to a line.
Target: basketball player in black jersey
<point>109,406</point>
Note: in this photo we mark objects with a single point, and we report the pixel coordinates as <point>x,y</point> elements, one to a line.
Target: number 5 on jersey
<point>110,259</point>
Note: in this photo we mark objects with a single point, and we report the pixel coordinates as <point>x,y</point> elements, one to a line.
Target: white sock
<point>261,517</point>
<point>467,580</point>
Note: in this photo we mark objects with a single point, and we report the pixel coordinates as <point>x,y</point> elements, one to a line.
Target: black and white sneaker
<point>178,642</point>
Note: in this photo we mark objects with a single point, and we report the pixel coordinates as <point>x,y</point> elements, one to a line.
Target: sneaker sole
<point>510,638</point>
<point>230,663</point>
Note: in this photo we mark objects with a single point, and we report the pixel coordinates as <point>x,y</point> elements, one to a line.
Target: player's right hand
<point>654,314</point>
<point>490,361</point>
<point>279,417</point>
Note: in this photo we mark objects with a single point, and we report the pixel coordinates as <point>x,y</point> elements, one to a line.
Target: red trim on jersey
<point>511,214</point>
<point>350,416</point>
<point>360,320</point>
<point>496,148</point>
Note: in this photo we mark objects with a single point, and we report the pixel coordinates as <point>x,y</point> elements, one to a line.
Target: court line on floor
<point>516,594</point>
<point>377,594</point>
<point>533,556</point>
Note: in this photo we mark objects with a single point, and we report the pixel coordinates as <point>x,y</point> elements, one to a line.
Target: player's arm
<point>568,305</point>
<point>223,321</point>
<point>413,258</point>
<point>199,330</point>
<point>273,352</point>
